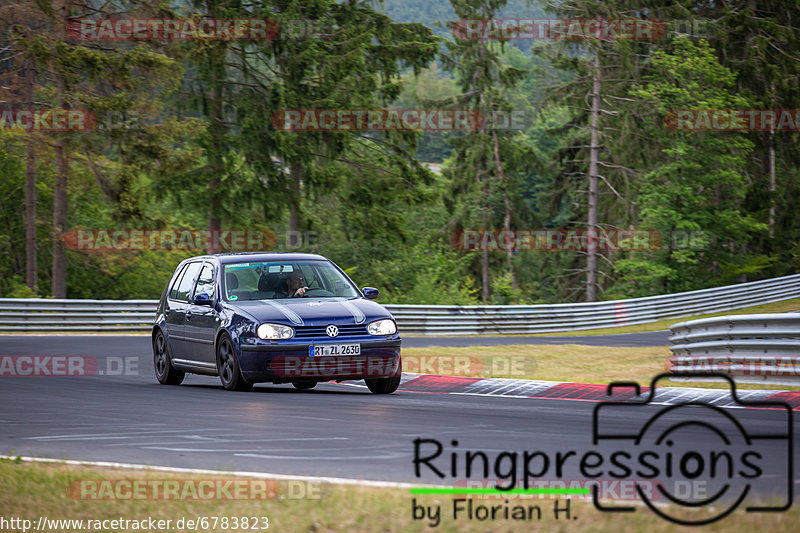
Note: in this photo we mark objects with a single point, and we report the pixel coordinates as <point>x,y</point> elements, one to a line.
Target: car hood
<point>314,311</point>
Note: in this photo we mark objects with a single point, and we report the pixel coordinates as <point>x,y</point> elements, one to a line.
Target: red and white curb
<point>587,392</point>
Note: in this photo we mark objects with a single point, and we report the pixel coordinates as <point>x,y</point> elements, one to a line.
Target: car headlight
<point>382,327</point>
<point>274,332</point>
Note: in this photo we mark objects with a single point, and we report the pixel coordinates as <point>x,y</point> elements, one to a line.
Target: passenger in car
<point>268,286</point>
<point>231,282</point>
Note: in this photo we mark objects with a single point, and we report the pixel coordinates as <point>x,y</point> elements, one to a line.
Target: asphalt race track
<point>337,430</point>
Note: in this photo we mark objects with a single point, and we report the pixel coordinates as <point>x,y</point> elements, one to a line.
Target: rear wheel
<point>162,363</point>
<point>304,385</point>
<point>228,366</point>
<point>386,385</point>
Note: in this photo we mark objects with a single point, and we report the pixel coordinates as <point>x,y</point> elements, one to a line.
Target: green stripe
<point>456,490</point>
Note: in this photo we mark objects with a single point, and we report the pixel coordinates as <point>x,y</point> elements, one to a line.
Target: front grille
<point>307,332</point>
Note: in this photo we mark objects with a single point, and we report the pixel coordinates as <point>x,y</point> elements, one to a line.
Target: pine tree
<point>698,187</point>
<point>340,56</point>
<point>479,180</point>
<point>595,170</point>
<point>91,76</point>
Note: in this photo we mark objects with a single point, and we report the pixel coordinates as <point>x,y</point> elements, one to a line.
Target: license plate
<point>334,349</point>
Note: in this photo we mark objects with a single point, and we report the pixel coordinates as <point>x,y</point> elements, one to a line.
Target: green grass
<point>33,490</point>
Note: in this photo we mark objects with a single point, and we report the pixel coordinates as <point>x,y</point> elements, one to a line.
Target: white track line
<point>260,475</point>
<point>332,480</point>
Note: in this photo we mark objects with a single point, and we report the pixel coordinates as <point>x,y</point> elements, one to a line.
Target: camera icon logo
<point>739,456</point>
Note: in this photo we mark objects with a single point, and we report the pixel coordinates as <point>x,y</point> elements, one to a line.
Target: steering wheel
<point>327,293</point>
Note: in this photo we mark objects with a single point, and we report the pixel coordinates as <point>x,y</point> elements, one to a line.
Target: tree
<point>758,41</point>
<point>21,21</point>
<point>476,170</point>
<point>348,57</point>
<point>90,77</point>
<point>595,177</point>
<point>699,186</point>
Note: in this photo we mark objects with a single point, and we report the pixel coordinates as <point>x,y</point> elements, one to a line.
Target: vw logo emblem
<point>332,331</point>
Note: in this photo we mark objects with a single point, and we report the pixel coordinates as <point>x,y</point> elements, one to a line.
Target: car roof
<point>237,257</point>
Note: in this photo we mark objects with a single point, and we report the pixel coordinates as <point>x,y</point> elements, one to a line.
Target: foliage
<point>699,184</point>
<point>198,146</point>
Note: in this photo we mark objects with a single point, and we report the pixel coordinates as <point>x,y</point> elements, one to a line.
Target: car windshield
<point>269,280</point>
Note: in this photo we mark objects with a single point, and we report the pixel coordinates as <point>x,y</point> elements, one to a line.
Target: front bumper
<point>282,363</point>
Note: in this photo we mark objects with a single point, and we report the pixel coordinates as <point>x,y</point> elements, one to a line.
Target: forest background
<point>185,139</point>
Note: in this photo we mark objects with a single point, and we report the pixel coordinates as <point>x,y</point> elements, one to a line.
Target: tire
<point>304,385</point>
<point>228,366</point>
<point>385,385</point>
<point>162,362</point>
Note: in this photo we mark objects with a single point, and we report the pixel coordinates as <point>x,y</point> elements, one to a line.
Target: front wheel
<point>162,363</point>
<point>228,366</point>
<point>385,385</point>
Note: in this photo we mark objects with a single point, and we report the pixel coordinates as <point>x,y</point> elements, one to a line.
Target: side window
<point>173,293</point>
<point>205,283</point>
<point>187,282</point>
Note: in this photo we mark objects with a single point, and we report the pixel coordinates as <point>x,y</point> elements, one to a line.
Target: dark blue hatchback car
<point>273,317</point>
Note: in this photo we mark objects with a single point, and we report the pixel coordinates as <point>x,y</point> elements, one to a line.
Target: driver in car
<point>296,284</point>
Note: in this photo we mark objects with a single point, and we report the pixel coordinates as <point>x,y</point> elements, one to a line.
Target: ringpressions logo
<point>740,454</point>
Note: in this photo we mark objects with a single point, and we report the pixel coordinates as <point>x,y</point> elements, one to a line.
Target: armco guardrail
<point>42,314</point>
<point>762,347</point>
<point>137,315</point>
<point>551,318</point>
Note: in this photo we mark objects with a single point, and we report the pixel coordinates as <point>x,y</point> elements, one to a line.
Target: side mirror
<point>202,299</point>
<point>370,292</point>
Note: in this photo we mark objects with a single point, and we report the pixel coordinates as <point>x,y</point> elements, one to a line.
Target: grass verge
<point>30,491</point>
